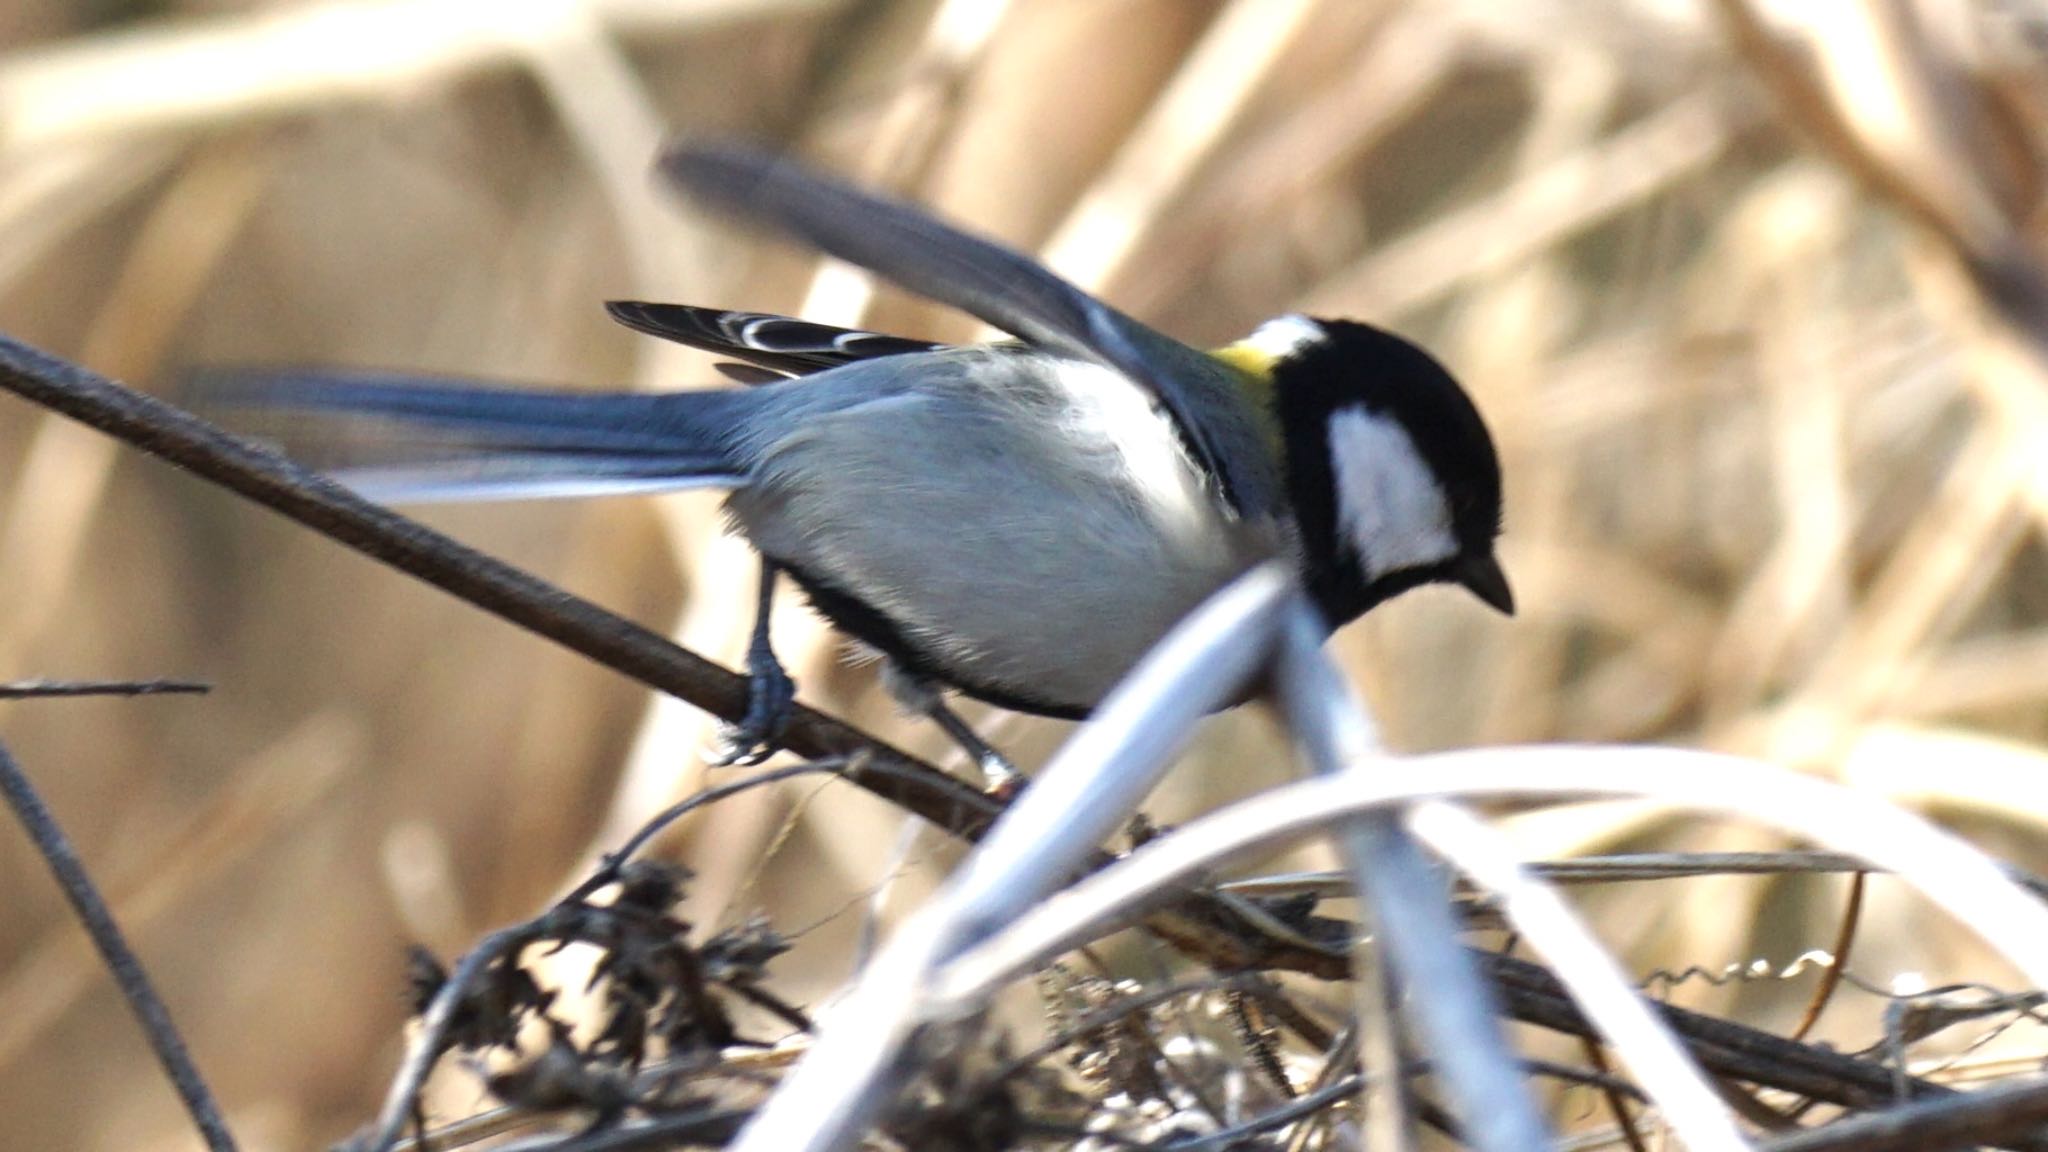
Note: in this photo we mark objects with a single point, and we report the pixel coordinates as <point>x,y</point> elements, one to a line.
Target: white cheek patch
<point>1389,506</point>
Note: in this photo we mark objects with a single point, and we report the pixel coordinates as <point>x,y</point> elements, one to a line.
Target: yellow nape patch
<point>1255,366</point>
<point>1249,358</point>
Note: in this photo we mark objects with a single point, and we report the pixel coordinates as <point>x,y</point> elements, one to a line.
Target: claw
<point>770,693</point>
<point>999,777</point>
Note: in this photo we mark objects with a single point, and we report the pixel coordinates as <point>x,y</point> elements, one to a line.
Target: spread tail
<point>400,439</point>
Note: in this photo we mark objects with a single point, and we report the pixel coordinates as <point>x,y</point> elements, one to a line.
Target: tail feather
<point>399,439</point>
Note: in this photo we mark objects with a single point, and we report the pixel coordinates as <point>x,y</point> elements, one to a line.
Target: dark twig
<point>1533,996</point>
<point>1260,1039</point>
<point>48,689</point>
<point>121,961</point>
<point>1337,1091</point>
<point>1628,866</point>
<point>708,1128</point>
<point>1623,1119</point>
<point>431,1038</point>
<point>2003,1114</point>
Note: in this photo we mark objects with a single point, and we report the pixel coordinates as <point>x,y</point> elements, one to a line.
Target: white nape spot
<point>1283,336</point>
<point>1390,507</point>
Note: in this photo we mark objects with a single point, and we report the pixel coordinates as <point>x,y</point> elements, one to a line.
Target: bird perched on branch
<point>1020,520</point>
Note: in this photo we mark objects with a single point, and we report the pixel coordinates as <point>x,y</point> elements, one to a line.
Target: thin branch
<point>1964,1120</point>
<point>122,963</point>
<point>1328,1096</point>
<point>51,689</point>
<point>1831,976</point>
<point>1723,1047</point>
<point>431,1037</point>
<point>1622,867</point>
<point>1617,1104</point>
<point>674,812</point>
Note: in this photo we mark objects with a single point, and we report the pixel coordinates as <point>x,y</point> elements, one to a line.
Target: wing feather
<point>1219,424</point>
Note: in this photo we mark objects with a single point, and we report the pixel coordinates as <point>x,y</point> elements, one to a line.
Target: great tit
<point>1019,521</point>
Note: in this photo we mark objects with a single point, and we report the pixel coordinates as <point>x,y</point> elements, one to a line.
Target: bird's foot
<point>770,696</point>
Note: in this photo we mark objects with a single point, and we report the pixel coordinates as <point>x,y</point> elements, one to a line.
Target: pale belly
<point>1026,543</point>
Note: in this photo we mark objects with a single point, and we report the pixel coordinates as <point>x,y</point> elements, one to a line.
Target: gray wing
<point>999,286</point>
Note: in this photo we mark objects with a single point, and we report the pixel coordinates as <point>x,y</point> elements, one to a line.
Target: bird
<point>1018,521</point>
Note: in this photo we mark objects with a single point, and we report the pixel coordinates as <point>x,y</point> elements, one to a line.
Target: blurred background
<point>1750,292</point>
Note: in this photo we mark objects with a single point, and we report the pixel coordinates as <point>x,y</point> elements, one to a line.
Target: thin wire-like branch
<point>122,963</point>
<point>1831,975</point>
<point>48,689</point>
<point>1623,867</point>
<point>674,812</point>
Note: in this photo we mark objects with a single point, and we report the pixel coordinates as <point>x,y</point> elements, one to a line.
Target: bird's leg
<point>770,691</point>
<point>916,694</point>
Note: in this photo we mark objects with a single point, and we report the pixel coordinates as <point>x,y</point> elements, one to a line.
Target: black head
<point>1391,472</point>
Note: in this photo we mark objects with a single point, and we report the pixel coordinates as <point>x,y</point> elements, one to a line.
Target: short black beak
<point>1480,573</point>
